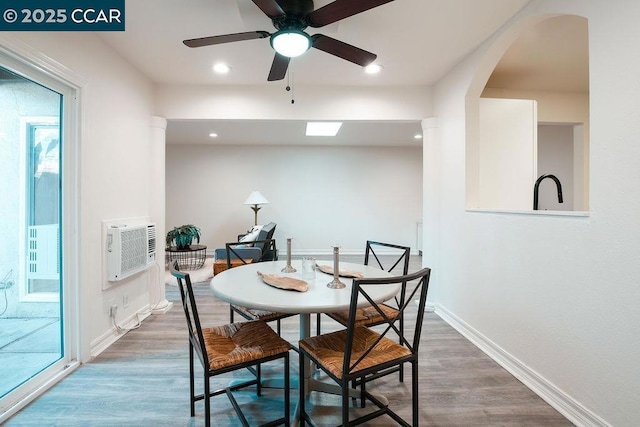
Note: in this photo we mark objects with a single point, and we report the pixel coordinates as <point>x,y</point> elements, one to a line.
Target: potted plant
<point>183,236</point>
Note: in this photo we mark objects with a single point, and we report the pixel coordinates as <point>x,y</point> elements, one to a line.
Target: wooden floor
<point>142,380</point>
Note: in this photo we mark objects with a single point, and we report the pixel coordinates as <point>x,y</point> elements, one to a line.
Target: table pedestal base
<point>312,384</point>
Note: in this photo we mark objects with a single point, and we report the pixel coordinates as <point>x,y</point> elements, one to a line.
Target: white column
<point>157,300</point>
<point>431,202</point>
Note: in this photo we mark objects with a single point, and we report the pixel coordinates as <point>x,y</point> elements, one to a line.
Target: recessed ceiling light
<point>417,136</point>
<point>373,69</point>
<point>213,135</point>
<point>323,128</point>
<point>221,68</point>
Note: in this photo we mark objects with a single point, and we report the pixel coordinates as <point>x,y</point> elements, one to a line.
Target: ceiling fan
<point>290,18</point>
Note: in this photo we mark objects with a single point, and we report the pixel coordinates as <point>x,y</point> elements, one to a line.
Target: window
<point>41,145</point>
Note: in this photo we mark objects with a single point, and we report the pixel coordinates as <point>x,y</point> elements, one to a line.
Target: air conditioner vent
<point>130,249</point>
<point>152,239</point>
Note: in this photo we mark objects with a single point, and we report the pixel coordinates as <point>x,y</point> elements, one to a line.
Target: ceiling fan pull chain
<point>292,96</point>
<point>290,82</point>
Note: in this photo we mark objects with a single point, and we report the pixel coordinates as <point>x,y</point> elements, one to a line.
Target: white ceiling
<point>417,42</point>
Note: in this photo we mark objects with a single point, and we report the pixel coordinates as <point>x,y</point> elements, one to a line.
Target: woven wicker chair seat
<point>328,349</point>
<point>256,314</point>
<point>235,343</point>
<point>366,316</point>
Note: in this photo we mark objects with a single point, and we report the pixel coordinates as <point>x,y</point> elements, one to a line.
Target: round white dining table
<point>243,286</point>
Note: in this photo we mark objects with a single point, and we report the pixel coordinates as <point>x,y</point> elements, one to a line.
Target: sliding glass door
<point>32,308</point>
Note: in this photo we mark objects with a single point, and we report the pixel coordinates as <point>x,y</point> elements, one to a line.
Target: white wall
<point>113,175</point>
<point>312,102</point>
<point>554,297</point>
<point>318,196</point>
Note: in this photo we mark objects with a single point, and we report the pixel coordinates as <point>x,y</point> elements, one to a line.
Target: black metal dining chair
<point>226,348</point>
<point>358,351</point>
<point>397,262</point>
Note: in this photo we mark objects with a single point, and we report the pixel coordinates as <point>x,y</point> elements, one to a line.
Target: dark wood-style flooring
<point>143,380</point>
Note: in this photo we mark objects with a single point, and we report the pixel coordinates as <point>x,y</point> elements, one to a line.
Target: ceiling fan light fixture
<point>290,43</point>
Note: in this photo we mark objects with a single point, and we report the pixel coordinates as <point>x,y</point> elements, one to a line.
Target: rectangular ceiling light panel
<point>323,128</point>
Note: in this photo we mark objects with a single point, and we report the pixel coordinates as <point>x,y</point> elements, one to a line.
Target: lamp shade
<point>255,198</point>
<point>290,43</point>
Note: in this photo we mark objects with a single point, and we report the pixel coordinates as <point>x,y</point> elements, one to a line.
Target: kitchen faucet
<point>535,189</point>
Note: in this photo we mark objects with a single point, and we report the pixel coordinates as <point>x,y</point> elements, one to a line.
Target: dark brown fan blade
<point>227,38</point>
<point>271,8</point>
<point>279,67</point>
<point>340,9</point>
<point>342,50</point>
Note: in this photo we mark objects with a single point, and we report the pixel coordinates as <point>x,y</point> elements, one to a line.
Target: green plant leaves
<point>183,235</point>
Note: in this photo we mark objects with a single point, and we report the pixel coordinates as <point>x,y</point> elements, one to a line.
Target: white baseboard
<point>162,307</point>
<point>103,342</point>
<point>428,307</point>
<point>563,403</point>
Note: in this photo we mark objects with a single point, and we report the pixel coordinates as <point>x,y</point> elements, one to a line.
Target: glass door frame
<point>23,60</point>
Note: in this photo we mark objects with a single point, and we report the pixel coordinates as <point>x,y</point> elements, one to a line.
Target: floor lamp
<point>256,199</point>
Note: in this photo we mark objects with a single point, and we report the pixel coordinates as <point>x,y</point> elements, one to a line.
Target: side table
<point>191,258</point>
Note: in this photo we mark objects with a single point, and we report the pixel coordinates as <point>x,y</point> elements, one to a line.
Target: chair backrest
<point>398,256</point>
<point>191,312</point>
<point>415,285</point>
<point>238,250</point>
<point>266,233</point>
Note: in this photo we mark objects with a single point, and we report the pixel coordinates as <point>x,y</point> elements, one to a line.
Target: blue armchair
<point>261,251</point>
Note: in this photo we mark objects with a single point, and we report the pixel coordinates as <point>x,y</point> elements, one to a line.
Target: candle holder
<point>289,268</point>
<point>336,283</point>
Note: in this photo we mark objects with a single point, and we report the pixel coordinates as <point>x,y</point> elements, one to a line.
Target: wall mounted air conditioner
<point>130,249</point>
